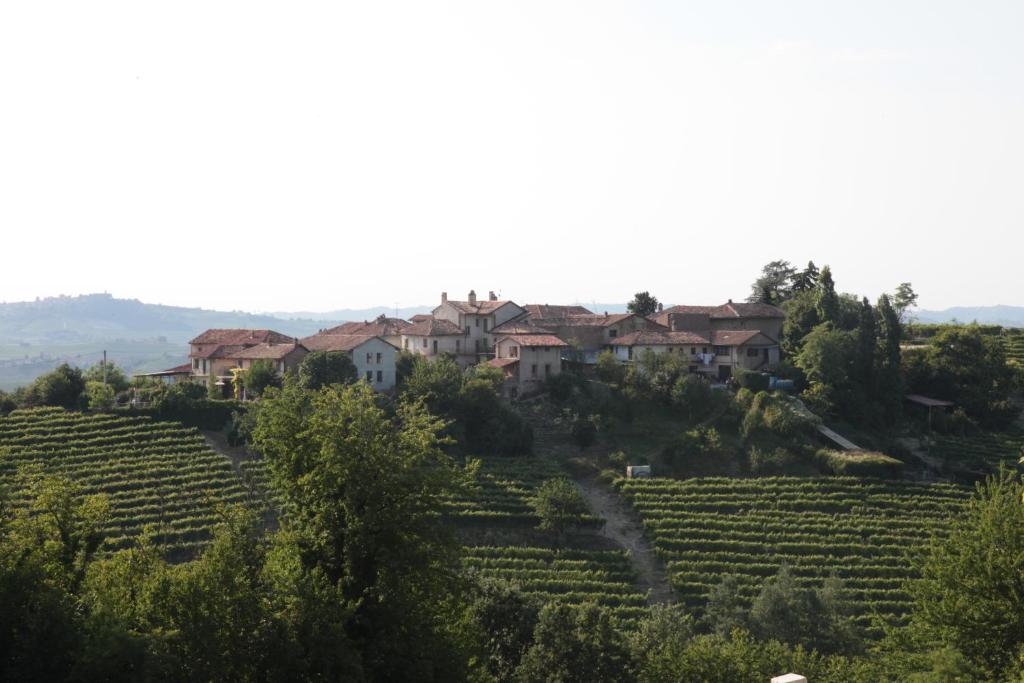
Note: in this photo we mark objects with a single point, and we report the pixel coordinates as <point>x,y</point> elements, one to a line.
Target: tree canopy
<point>643,304</point>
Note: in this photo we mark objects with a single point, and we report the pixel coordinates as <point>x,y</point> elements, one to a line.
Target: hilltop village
<point>529,343</point>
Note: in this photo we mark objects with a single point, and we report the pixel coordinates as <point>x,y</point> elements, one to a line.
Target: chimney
<point>730,300</point>
<point>472,297</point>
<point>444,297</point>
<point>491,296</point>
<point>661,307</point>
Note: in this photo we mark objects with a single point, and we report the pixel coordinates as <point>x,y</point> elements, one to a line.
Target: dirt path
<point>623,526</point>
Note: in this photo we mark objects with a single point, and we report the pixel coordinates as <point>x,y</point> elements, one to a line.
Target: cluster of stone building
<point>529,343</point>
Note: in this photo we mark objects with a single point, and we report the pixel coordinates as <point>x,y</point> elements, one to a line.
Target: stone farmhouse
<point>529,342</point>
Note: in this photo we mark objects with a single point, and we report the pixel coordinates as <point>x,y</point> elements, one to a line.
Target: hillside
<point>1007,316</point>
<point>35,336</point>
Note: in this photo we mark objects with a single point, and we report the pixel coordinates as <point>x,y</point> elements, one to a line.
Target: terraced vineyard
<point>153,472</point>
<point>862,530</point>
<point>574,577</point>
<point>1013,344</point>
<point>504,491</point>
<point>982,452</point>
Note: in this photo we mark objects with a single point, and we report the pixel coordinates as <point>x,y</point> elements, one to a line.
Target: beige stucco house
<point>715,353</point>
<point>373,357</point>
<point>729,316</point>
<point>528,360</point>
<point>477,318</point>
<point>216,351</point>
<point>432,337</point>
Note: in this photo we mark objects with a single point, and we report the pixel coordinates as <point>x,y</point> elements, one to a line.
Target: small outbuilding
<point>638,472</point>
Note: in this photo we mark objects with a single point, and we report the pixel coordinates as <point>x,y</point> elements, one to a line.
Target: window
<point>751,353</point>
<point>380,358</point>
<point>547,369</point>
<point>533,370</point>
<point>476,344</point>
<point>204,366</point>
<point>369,358</point>
<point>424,342</point>
<point>467,330</point>
<point>369,375</point>
<point>435,346</point>
<point>195,363</point>
<point>722,351</point>
<point>630,352</point>
<point>513,351</point>
<point>670,349</point>
<point>477,321</point>
<point>703,349</point>
<point>380,376</point>
<point>613,333</point>
<point>485,324</point>
<point>405,343</point>
<point>458,345</point>
<point>693,350</point>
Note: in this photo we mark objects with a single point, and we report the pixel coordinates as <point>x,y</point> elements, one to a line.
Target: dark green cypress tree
<point>828,300</point>
<point>889,387</point>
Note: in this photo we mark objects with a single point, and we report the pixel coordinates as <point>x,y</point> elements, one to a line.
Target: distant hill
<point>1007,316</point>
<point>36,336</point>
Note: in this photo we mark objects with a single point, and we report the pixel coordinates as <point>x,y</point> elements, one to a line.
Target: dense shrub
<point>770,461</point>
<point>755,381</point>
<point>860,464</point>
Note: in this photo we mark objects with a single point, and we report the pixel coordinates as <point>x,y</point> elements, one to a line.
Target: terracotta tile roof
<point>549,311</point>
<point>221,351</point>
<point>535,339</point>
<point>380,327</point>
<point>502,362</point>
<point>521,325</point>
<point>240,336</point>
<point>659,338</point>
<point>335,342</point>
<point>726,311</point>
<point>480,307</point>
<point>587,320</point>
<point>268,351</point>
<point>433,327</point>
<point>185,369</point>
<point>735,337</point>
<point>420,317</point>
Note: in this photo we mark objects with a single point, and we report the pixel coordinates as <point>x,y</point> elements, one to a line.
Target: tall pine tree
<point>828,300</point>
<point>889,387</point>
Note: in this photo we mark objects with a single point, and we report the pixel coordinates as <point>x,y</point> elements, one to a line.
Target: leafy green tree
<point>962,365</point>
<point>100,396</point>
<point>576,644</point>
<point>115,376</point>
<point>971,592</point>
<point>45,550</point>
<point>887,374</point>
<point>801,317</point>
<point>643,304</point>
<point>806,280</point>
<point>502,620</point>
<point>62,387</point>
<point>827,361</point>
<point>828,301</point>
<point>559,505</point>
<point>903,300</point>
<point>660,640</point>
<point>609,370</point>
<point>365,492</point>
<point>405,363</point>
<point>815,619</point>
<point>726,609</point>
<point>692,394</point>
<point>259,376</point>
<point>437,383</point>
<point>774,284</point>
<point>322,368</point>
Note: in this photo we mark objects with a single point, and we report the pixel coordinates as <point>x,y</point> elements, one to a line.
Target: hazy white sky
<point>286,156</point>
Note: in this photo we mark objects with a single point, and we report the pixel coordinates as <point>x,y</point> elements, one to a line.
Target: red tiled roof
<point>502,362</point>
<point>381,327</point>
<point>420,317</point>
<point>549,311</point>
<point>185,369</point>
<point>268,351</point>
<point>335,342</point>
<point>480,307</point>
<point>535,339</point>
<point>240,336</point>
<point>434,327</point>
<point>735,337</point>
<point>726,311</point>
<point>659,338</point>
<point>221,351</point>
<point>588,320</point>
<point>521,325</point>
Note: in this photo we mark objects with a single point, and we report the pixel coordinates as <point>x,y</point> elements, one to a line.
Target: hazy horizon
<point>253,157</point>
